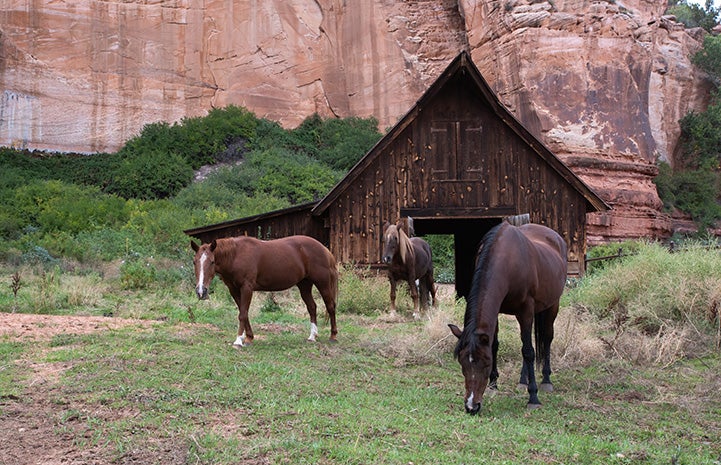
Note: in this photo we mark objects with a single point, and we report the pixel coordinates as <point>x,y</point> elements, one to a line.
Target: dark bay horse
<point>408,259</point>
<point>520,271</point>
<point>246,264</point>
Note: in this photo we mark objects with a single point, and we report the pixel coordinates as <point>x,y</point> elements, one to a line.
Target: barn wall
<point>269,227</point>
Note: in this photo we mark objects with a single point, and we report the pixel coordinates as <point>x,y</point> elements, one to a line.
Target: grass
<point>388,392</point>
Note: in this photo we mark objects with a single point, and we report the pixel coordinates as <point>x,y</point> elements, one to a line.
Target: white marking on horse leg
<point>239,340</point>
<point>313,332</point>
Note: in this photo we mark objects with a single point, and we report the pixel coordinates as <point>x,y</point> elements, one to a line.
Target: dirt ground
<point>40,427</point>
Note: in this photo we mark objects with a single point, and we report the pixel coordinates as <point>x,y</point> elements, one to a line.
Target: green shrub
<point>359,293</point>
<point>152,175</point>
<point>694,15</point>
<point>137,274</point>
<point>655,288</point>
<point>291,176</point>
<point>54,206</point>
<point>623,249</point>
<point>444,256</point>
<point>339,143</point>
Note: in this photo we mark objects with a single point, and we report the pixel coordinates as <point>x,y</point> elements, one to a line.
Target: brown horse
<point>246,264</point>
<point>408,259</point>
<point>520,271</point>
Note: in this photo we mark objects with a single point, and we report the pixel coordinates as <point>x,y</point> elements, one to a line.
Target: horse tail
<point>333,267</point>
<point>540,333</point>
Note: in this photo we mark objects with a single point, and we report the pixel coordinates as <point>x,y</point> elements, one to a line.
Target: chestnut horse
<point>408,259</point>
<point>246,264</point>
<point>520,271</point>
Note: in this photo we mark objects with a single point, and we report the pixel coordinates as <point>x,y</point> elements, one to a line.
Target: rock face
<point>602,83</point>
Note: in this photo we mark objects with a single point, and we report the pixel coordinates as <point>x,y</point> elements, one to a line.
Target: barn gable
<point>457,163</point>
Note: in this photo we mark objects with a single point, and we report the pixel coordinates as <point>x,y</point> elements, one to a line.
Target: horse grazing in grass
<point>408,259</point>
<point>520,271</point>
<point>246,264</point>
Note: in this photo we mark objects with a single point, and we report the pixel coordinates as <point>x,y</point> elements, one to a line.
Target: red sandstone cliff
<point>603,83</point>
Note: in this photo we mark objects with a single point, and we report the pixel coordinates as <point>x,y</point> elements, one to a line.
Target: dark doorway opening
<point>467,234</point>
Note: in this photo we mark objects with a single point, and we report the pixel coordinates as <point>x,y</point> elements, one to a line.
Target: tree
<point>692,15</point>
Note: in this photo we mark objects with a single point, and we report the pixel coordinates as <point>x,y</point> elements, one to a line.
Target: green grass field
<point>167,387</point>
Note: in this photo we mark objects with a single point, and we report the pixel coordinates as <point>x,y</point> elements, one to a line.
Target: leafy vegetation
<point>693,186</point>
<point>139,200</point>
<point>693,15</point>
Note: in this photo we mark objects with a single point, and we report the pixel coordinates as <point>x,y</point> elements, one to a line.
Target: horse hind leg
<point>424,293</point>
<point>306,293</point>
<point>546,336</point>
<point>329,293</point>
<point>413,286</point>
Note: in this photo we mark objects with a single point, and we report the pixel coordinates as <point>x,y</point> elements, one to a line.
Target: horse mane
<point>470,318</point>
<point>405,246</point>
<point>224,249</point>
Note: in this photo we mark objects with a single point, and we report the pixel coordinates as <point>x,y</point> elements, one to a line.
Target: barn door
<point>455,150</point>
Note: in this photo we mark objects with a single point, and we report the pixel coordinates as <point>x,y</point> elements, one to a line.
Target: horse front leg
<point>393,282</point>
<point>306,293</point>
<point>242,298</point>
<point>493,381</point>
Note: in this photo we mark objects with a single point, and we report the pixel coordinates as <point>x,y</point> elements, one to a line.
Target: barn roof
<point>249,219</point>
<point>464,64</point>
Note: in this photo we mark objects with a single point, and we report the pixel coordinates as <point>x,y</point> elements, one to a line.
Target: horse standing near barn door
<point>520,271</point>
<point>246,264</point>
<point>408,259</point>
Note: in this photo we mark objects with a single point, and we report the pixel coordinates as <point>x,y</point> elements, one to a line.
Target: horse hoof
<point>546,387</point>
<point>333,340</point>
<point>533,406</point>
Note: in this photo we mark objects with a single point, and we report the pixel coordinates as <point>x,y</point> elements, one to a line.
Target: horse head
<point>396,241</point>
<point>474,354</point>
<point>204,264</point>
<point>391,241</point>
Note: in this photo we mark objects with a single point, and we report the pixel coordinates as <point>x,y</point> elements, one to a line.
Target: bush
<point>199,140</point>
<point>444,257</point>
<point>625,248</point>
<point>693,15</point>
<point>53,206</point>
<point>655,288</point>
<point>360,294</point>
<point>137,274</point>
<point>151,175</point>
<point>339,143</point>
<point>291,176</point>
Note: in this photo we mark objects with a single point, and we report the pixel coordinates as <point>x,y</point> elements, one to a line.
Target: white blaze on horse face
<point>469,402</point>
<point>201,275</point>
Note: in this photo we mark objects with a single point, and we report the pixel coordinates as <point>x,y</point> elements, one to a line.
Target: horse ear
<point>406,225</point>
<point>386,225</point>
<point>194,246</point>
<point>213,245</point>
<point>455,330</point>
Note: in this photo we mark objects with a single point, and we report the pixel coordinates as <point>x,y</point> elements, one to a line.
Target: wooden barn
<point>458,163</point>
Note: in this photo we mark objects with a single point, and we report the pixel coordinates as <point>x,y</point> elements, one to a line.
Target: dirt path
<point>39,425</point>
